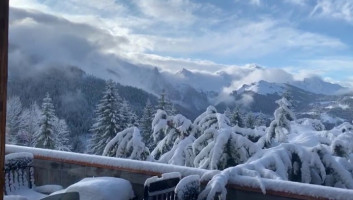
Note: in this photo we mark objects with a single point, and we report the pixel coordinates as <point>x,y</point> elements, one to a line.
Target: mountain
<point>318,86</point>
<point>263,88</point>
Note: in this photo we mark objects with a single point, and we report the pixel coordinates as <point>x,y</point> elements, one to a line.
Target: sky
<point>303,37</point>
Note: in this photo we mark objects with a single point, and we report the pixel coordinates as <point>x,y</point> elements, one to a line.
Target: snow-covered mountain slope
<point>318,86</point>
<point>263,88</point>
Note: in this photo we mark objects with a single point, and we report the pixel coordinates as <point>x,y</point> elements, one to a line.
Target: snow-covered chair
<point>19,178</point>
<point>163,187</point>
<point>188,188</point>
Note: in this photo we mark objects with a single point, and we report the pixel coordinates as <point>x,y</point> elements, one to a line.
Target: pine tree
<point>125,114</point>
<point>127,144</point>
<point>219,146</point>
<point>108,119</point>
<point>62,142</point>
<point>280,126</point>
<point>162,102</point>
<point>45,137</point>
<point>176,147</point>
<point>236,118</point>
<point>165,104</point>
<point>29,125</point>
<point>14,109</point>
<point>250,120</point>
<point>146,124</point>
<point>159,125</point>
<point>228,113</point>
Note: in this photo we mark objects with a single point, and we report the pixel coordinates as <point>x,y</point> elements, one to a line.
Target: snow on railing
<point>289,189</point>
<point>242,183</point>
<point>144,167</point>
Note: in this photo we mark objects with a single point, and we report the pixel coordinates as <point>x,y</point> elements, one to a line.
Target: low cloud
<point>270,75</point>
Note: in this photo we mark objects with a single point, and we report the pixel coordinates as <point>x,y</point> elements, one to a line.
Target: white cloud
<point>248,39</point>
<point>174,64</point>
<point>266,74</point>
<point>255,2</point>
<point>342,9</point>
<point>331,69</point>
<point>180,11</point>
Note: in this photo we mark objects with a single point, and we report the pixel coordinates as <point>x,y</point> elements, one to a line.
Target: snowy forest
<point>284,148</point>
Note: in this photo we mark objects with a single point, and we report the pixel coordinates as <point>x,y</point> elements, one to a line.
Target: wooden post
<point>4,30</point>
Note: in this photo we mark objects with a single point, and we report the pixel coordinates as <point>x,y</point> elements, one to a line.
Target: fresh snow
<point>101,188</point>
<point>263,88</point>
<point>108,161</point>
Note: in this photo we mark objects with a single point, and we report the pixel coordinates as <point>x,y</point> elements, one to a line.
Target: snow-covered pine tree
<point>62,133</point>
<point>107,121</point>
<point>127,115</point>
<point>29,125</point>
<point>261,120</point>
<point>228,113</point>
<point>250,120</point>
<point>280,126</point>
<point>146,124</point>
<point>176,147</point>
<point>165,104</point>
<point>159,125</point>
<point>45,137</point>
<point>208,120</point>
<point>162,102</point>
<point>219,146</point>
<point>134,121</point>
<point>14,109</point>
<point>127,144</point>
<point>236,118</point>
<point>342,143</point>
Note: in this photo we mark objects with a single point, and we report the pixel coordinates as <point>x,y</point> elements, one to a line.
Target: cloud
<point>174,64</point>
<point>255,2</point>
<point>342,10</point>
<point>179,11</point>
<point>246,100</point>
<point>265,74</point>
<point>248,39</point>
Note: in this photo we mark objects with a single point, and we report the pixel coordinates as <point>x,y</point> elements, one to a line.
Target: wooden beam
<point>4,30</point>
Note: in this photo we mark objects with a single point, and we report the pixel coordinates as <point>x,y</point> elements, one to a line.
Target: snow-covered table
<point>102,188</point>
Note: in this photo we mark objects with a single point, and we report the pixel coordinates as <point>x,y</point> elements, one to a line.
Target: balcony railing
<point>66,168</point>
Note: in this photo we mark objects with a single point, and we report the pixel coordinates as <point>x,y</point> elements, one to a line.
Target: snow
<point>102,188</point>
<point>342,106</point>
<point>325,117</point>
<point>108,161</point>
<point>48,189</point>
<point>14,197</point>
<point>188,187</point>
<point>30,194</point>
<point>19,155</point>
<point>295,188</point>
<point>165,176</point>
<point>263,88</point>
<point>128,144</point>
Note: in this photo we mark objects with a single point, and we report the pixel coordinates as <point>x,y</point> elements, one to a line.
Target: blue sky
<point>304,37</point>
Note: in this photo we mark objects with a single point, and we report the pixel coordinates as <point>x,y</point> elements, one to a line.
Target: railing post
<point>4,30</point>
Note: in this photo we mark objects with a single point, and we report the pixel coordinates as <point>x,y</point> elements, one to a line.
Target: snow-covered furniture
<point>101,188</point>
<point>18,172</point>
<point>188,188</point>
<point>64,196</point>
<point>19,179</point>
<point>161,188</point>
